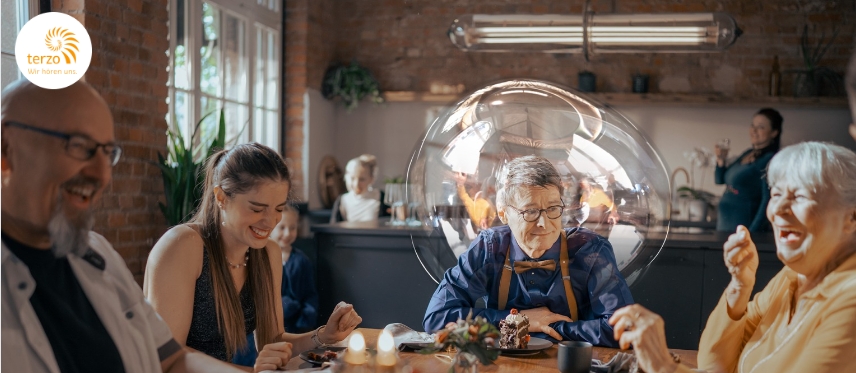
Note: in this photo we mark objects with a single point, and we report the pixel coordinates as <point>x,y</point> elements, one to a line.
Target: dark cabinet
<point>375,270</point>
<point>672,288</point>
<point>716,278</point>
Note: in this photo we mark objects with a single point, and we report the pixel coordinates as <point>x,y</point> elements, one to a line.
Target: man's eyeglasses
<point>532,215</point>
<point>77,146</point>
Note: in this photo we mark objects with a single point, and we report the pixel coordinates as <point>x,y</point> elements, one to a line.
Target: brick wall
<point>403,43</point>
<point>129,41</point>
<point>295,58</point>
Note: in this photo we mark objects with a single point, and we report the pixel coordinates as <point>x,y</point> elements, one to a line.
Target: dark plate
<point>320,351</point>
<point>415,346</point>
<point>535,346</point>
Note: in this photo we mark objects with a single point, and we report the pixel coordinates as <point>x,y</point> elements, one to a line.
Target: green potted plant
<point>183,170</point>
<point>813,79</point>
<point>350,84</point>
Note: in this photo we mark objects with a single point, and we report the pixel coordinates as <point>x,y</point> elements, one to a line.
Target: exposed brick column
<point>295,57</point>
<point>129,41</point>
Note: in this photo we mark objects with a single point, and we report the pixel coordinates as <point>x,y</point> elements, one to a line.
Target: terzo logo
<point>60,39</point>
<point>53,50</point>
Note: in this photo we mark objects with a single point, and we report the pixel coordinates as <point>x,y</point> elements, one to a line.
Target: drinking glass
<point>724,144</point>
<point>394,198</point>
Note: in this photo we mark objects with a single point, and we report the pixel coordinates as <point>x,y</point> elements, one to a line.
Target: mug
<point>574,357</point>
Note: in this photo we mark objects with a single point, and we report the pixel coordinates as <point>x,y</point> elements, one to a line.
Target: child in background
<point>361,202</point>
<point>299,296</point>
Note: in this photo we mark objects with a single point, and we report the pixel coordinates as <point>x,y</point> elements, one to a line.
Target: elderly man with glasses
<point>566,281</point>
<point>69,303</point>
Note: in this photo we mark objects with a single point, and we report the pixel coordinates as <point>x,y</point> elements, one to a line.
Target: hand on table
<point>274,356</point>
<point>540,320</point>
<point>635,325</point>
<point>341,323</point>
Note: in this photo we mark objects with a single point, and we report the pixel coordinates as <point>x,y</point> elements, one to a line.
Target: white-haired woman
<point>805,318</point>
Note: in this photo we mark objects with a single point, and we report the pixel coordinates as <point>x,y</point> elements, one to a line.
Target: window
<point>15,14</point>
<point>225,54</point>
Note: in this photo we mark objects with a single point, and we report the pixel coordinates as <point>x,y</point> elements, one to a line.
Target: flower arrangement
<point>471,337</point>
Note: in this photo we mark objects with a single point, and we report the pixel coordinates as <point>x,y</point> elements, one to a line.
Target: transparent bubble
<point>615,183</point>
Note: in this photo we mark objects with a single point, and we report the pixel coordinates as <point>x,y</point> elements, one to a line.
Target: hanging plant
<point>813,79</point>
<point>351,84</point>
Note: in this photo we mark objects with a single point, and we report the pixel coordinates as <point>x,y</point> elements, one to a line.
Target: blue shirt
<point>597,283</point>
<point>299,295</point>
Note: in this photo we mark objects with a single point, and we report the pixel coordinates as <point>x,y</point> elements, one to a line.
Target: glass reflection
<point>615,183</point>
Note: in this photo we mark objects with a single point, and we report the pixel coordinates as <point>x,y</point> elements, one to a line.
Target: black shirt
<point>79,340</point>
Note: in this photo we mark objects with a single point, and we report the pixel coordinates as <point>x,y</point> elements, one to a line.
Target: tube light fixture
<point>594,33</point>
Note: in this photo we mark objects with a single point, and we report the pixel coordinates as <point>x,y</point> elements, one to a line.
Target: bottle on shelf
<point>775,78</point>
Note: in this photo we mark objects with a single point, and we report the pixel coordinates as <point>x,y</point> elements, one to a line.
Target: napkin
<point>622,362</point>
<point>404,334</point>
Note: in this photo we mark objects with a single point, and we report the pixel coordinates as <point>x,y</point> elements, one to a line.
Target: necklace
<point>239,265</point>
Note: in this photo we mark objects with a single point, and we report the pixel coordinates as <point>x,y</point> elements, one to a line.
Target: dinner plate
<point>320,351</point>
<point>535,346</point>
<point>415,346</point>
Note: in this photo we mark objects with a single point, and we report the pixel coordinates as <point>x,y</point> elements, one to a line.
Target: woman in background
<point>746,191</point>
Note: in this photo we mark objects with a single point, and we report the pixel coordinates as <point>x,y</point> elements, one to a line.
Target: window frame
<point>22,17</point>
<point>253,15</point>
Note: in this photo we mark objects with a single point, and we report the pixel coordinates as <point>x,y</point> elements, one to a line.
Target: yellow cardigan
<point>478,209</point>
<point>821,337</point>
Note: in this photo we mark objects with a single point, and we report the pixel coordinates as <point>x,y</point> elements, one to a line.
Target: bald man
<point>69,303</point>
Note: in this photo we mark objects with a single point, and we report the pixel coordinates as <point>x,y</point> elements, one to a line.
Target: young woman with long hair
<point>214,279</point>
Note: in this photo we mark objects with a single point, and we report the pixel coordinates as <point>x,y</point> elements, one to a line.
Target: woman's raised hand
<point>635,325</point>
<point>341,323</point>
<point>741,259</point>
<point>274,356</point>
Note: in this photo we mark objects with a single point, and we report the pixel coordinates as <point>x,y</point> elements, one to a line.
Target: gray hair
<point>526,171</point>
<point>819,166</point>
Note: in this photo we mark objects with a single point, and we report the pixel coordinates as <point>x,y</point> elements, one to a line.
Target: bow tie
<point>523,266</point>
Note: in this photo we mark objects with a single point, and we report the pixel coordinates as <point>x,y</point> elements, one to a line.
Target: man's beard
<point>70,234</point>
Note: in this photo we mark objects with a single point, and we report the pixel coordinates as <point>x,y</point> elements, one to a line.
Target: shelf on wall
<point>660,99</point>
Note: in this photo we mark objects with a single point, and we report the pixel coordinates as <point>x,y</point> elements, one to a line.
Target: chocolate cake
<point>514,331</point>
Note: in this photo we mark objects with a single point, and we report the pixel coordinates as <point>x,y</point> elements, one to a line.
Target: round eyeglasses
<point>532,215</point>
<point>77,146</point>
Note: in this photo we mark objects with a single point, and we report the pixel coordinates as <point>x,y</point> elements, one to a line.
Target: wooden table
<point>542,362</point>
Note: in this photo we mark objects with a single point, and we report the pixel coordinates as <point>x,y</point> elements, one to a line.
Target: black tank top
<point>204,334</point>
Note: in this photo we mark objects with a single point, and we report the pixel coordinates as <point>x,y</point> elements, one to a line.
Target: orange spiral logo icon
<point>60,39</point>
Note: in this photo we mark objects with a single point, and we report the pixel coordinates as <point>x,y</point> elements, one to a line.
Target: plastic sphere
<point>614,181</point>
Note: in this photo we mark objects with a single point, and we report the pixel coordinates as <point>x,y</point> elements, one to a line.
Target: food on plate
<point>514,331</point>
<point>323,358</point>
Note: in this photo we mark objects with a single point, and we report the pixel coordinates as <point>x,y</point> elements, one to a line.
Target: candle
<point>356,349</point>
<point>386,350</point>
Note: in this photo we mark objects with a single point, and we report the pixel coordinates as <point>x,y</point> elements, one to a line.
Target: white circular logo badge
<point>53,50</point>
